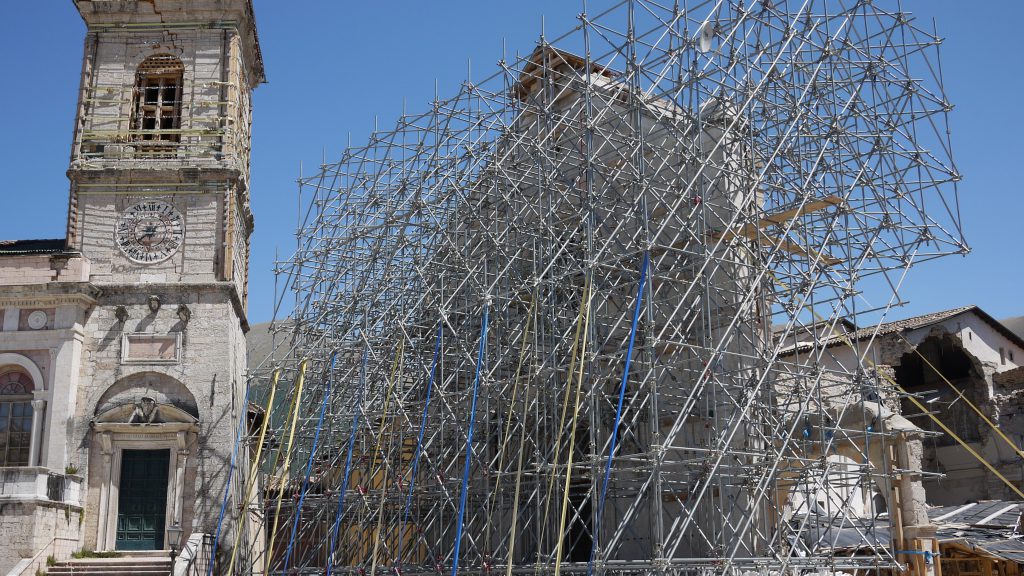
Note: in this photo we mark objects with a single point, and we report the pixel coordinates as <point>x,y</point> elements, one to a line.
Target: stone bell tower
<point>159,207</point>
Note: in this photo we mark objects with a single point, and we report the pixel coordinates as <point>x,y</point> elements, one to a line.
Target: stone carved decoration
<point>37,320</point>
<point>146,412</point>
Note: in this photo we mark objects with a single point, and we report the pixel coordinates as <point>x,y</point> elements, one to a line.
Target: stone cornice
<point>136,16</point>
<point>40,501</point>
<point>140,289</point>
<point>83,294</point>
<point>114,173</point>
<point>143,431</point>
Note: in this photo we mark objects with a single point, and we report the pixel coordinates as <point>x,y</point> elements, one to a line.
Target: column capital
<point>38,404</point>
<point>106,446</point>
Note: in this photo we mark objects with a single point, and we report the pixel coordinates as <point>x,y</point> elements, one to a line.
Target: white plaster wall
<point>984,342</point>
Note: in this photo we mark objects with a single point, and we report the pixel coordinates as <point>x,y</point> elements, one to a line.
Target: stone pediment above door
<point>146,402</point>
<point>146,415</point>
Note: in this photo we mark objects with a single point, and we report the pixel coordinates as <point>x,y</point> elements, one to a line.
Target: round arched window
<point>15,417</point>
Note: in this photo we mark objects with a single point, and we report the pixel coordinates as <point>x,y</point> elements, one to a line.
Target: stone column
<point>106,449</point>
<point>179,478</point>
<point>918,531</point>
<point>37,433</point>
<point>63,390</point>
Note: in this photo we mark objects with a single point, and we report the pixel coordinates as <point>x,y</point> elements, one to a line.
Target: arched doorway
<point>146,426</point>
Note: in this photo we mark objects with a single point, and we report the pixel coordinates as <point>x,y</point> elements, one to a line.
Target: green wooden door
<point>142,499</point>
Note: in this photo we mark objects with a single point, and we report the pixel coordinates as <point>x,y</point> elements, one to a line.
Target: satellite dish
<point>707,33</point>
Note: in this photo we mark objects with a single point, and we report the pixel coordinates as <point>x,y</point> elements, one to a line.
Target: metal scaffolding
<point>569,319</point>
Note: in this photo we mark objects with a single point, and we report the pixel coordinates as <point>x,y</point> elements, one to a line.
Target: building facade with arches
<point>966,370</point>
<point>122,346</point>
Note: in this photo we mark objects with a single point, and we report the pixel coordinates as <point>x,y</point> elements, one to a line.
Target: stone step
<point>93,571</point>
<point>108,571</point>
<point>143,565</point>
<point>116,562</point>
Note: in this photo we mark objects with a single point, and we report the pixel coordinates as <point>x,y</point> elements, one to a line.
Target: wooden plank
<point>787,245</point>
<point>780,218</point>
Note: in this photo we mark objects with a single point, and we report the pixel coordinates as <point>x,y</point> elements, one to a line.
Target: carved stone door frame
<point>115,438</point>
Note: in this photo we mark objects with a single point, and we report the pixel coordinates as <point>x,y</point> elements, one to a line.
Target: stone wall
<point>40,269</point>
<point>33,530</point>
<point>195,260</point>
<point>210,369</point>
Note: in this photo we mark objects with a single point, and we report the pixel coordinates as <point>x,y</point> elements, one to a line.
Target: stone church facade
<point>122,346</point>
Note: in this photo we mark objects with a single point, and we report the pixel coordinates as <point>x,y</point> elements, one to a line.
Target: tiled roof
<point>991,526</point>
<point>996,543</point>
<point>15,247</point>
<point>913,323</point>
<point>987,513</point>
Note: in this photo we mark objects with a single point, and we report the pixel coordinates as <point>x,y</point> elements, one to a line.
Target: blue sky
<point>335,66</point>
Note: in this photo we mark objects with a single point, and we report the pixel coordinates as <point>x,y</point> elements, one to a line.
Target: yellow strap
<point>277,458</point>
<point>561,422</point>
<point>254,467</point>
<point>395,370</point>
<point>955,437</point>
<point>511,407</point>
<point>572,437</point>
<point>296,402</point>
<point>519,478</point>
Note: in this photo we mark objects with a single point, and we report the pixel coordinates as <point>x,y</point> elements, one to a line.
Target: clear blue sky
<point>334,66</point>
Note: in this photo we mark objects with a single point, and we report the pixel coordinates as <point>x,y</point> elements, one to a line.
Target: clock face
<point>150,231</point>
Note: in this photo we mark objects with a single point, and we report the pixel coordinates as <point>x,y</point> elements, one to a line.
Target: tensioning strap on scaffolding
<point>289,413</point>
<point>296,405</point>
<point>469,442</point>
<point>231,472</point>
<point>396,369</point>
<point>523,339</point>
<point>336,528</point>
<point>254,467</point>
<point>618,411</point>
<point>309,465</point>
<point>575,418</point>
<point>419,438</point>
<point>954,436</point>
<point>522,436</point>
<point>580,321</point>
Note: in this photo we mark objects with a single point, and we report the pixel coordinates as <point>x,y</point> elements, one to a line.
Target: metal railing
<point>195,557</point>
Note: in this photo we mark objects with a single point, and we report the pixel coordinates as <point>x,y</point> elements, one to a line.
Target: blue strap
<point>928,554</point>
<point>231,472</point>
<point>618,411</point>
<point>309,466</point>
<point>419,439</point>
<point>469,443</point>
<point>348,465</point>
